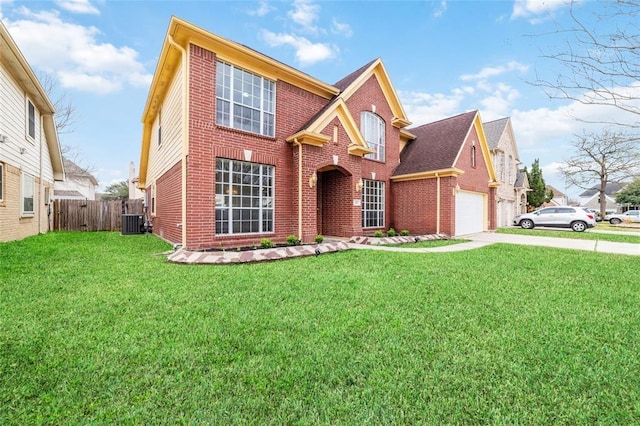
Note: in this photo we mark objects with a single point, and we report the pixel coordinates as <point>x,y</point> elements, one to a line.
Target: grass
<point>96,329</point>
<point>556,233</point>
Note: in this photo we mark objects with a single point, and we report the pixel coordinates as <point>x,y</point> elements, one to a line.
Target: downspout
<point>185,133</point>
<point>40,186</point>
<point>299,145</point>
<point>437,203</point>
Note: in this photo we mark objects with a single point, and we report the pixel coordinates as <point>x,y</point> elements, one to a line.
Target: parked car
<point>576,218</point>
<point>629,216</point>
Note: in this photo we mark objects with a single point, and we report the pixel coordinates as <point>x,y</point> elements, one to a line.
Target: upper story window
<point>473,156</point>
<point>372,129</point>
<point>244,101</point>
<point>31,120</point>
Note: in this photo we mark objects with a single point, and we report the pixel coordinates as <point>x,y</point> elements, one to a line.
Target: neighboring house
<point>237,147</point>
<point>30,158</point>
<point>79,184</point>
<point>445,182</point>
<point>511,197</point>
<point>134,192</point>
<point>559,198</point>
<point>591,197</point>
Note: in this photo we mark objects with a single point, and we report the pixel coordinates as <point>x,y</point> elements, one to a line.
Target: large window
<point>244,197</point>
<point>28,193</point>
<point>372,204</point>
<point>244,100</point>
<point>31,120</point>
<point>372,129</point>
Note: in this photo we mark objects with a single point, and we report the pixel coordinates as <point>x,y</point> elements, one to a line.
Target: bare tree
<point>601,158</point>
<point>600,67</point>
<point>65,110</point>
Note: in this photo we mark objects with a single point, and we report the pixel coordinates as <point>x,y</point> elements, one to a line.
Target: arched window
<point>372,129</point>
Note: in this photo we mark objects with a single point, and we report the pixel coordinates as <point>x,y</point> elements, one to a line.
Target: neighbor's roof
<point>610,189</point>
<point>556,192</point>
<point>436,146</point>
<point>521,180</point>
<point>73,170</point>
<point>493,130</point>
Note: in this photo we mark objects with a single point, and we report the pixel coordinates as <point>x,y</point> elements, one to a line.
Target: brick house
<point>445,182</point>
<point>237,147</point>
<point>30,157</point>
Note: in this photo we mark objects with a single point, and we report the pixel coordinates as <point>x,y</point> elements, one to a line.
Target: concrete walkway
<point>365,243</point>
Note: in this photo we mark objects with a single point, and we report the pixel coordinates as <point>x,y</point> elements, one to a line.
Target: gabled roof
<point>346,81</point>
<point>20,70</point>
<point>522,181</point>
<point>436,146</point>
<point>72,170</point>
<point>610,189</point>
<point>493,130</point>
<point>556,192</point>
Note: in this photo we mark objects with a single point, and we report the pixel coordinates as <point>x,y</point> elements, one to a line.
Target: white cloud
<point>78,6</point>
<point>307,53</point>
<point>305,13</point>
<point>488,72</point>
<point>262,10</point>
<point>422,107</point>
<point>533,9</point>
<point>73,53</point>
<point>341,28</point>
<point>441,9</point>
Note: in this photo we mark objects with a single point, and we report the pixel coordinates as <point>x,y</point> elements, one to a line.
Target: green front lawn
<point>95,328</point>
<point>563,233</point>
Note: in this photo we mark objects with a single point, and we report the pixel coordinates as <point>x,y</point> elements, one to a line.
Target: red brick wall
<point>169,205</point>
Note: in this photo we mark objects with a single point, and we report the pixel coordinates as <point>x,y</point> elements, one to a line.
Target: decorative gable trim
<point>451,172</point>
<point>312,134</point>
<point>484,148</point>
<point>377,69</point>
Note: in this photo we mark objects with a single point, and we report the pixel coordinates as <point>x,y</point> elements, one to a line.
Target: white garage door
<point>469,213</point>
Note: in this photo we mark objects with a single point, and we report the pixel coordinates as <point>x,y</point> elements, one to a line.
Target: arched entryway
<point>334,202</point>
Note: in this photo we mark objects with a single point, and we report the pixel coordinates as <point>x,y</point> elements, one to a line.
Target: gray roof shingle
<point>493,130</point>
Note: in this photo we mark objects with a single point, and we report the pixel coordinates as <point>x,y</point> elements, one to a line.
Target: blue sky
<point>444,57</point>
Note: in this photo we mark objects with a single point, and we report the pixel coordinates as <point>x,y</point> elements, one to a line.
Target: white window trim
<point>381,204</point>
<point>23,212</point>
<point>229,192</point>
<point>1,182</point>
<point>232,104</point>
<point>368,118</point>
<point>30,138</point>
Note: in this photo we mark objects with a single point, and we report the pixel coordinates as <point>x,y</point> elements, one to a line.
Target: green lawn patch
<point>556,233</point>
<point>95,328</point>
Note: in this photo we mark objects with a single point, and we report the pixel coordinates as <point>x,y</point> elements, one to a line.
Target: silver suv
<point>629,216</point>
<point>576,218</point>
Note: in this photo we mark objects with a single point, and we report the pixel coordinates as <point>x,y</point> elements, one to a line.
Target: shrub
<point>378,234</point>
<point>319,239</point>
<point>292,240</point>
<point>266,243</point>
<point>404,232</point>
<point>391,232</point>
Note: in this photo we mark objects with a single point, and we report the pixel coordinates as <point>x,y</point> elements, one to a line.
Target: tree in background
<point>539,193</point>
<point>600,158</point>
<point>601,59</point>
<point>117,191</point>
<point>630,194</point>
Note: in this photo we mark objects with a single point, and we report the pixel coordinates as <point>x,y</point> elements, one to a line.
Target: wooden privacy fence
<point>89,215</point>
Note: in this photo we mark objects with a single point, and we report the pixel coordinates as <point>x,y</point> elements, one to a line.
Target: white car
<point>629,216</point>
<point>576,218</point>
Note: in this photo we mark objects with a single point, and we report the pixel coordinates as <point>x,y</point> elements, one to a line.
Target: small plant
<point>391,232</point>
<point>292,240</point>
<point>404,232</point>
<point>319,239</point>
<point>266,243</point>
<point>378,234</point>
